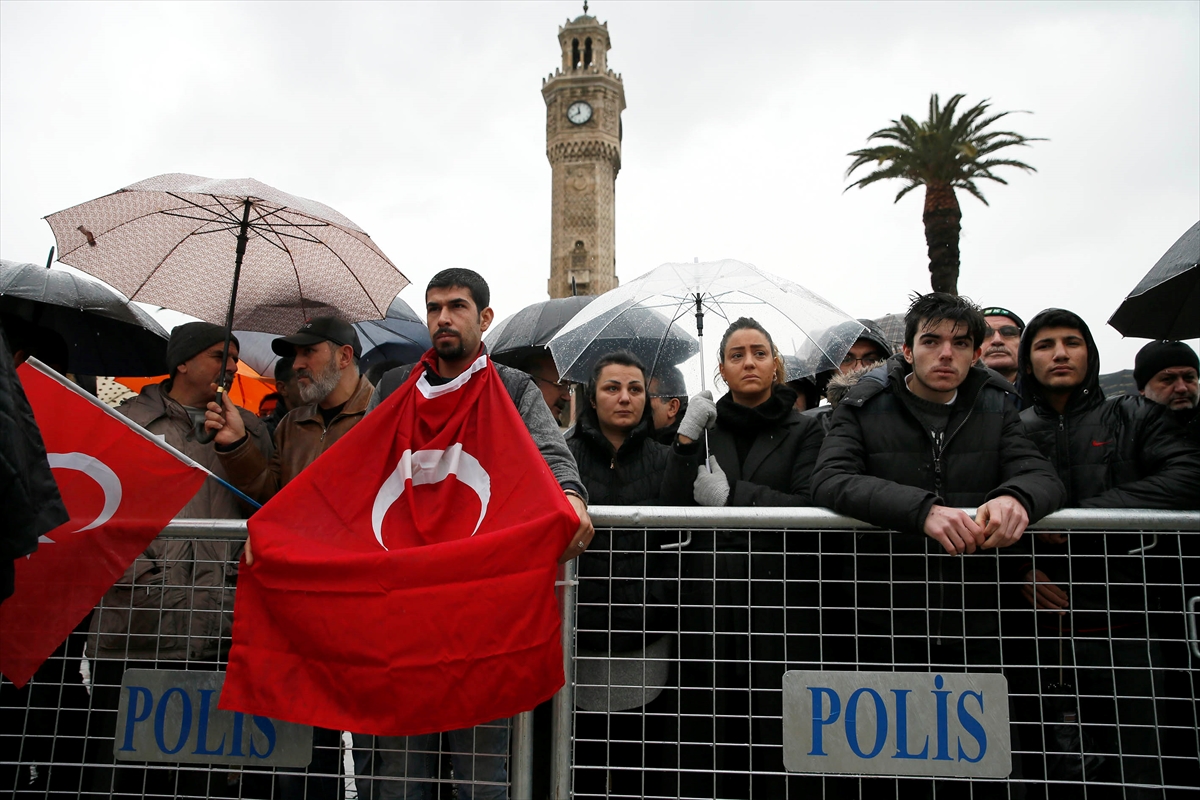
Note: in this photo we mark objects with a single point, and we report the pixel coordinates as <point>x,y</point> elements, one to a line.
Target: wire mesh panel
<point>679,629</point>
<point>681,652</point>
<point>127,706</point>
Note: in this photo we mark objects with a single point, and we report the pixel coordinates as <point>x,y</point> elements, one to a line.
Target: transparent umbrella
<point>659,311</point>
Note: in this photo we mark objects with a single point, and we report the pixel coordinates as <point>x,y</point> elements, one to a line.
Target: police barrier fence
<point>709,653</point>
<point>753,652</point>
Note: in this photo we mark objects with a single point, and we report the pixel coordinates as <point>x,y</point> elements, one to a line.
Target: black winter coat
<point>778,466</point>
<point>879,464</point>
<point>626,585</point>
<point>1122,452</point>
<point>28,492</point>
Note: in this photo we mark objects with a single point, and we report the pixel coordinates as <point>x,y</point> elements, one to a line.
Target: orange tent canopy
<point>248,389</point>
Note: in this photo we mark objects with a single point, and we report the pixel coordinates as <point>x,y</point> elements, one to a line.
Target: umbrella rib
<point>228,212</point>
<point>163,260</point>
<point>338,256</point>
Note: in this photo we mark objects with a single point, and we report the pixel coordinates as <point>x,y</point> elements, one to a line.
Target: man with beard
<point>1094,591</point>
<point>1166,373</point>
<point>335,397</point>
<point>457,312</point>
<point>1000,342</point>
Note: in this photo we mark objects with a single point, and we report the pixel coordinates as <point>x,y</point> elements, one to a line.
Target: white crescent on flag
<point>98,471</point>
<point>431,466</point>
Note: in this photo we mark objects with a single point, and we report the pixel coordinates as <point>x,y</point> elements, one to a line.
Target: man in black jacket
<point>1117,453</point>
<point>917,439</point>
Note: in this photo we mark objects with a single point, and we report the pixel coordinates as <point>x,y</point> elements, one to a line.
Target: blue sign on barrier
<point>172,715</point>
<point>897,723</point>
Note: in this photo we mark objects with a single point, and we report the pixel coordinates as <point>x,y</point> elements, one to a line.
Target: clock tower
<point>584,101</point>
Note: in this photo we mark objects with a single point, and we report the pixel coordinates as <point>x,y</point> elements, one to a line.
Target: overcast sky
<point>424,123</point>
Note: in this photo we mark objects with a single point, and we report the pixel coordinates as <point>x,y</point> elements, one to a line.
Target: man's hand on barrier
<point>954,529</point>
<point>1003,520</point>
<point>1041,592</point>
<point>249,555</point>
<point>227,422</point>
<point>583,536</point>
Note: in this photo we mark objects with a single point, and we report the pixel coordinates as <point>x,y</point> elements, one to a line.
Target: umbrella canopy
<point>652,310</point>
<point>401,336</point>
<point>1166,303</point>
<point>105,333</point>
<point>528,331</point>
<point>179,241</point>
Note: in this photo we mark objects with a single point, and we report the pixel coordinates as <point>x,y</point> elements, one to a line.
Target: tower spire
<point>585,6</point>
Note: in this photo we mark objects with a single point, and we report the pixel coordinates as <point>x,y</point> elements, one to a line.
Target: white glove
<point>711,487</point>
<point>701,415</point>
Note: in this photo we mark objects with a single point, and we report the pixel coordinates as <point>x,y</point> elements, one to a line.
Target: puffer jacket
<point>299,439</point>
<point>879,464</point>
<point>626,580</point>
<point>175,601</point>
<point>1123,452</point>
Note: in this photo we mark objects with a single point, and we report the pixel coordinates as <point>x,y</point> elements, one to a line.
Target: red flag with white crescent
<point>121,487</point>
<point>404,582</point>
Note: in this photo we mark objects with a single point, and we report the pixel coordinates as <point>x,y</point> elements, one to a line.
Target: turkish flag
<point>404,582</point>
<point>121,487</point>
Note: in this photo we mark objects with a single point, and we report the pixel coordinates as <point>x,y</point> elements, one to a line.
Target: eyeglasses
<point>562,386</point>
<point>865,361</point>
<point>1007,331</point>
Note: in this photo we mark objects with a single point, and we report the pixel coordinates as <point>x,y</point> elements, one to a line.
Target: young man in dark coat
<point>1122,452</point>
<point>920,437</point>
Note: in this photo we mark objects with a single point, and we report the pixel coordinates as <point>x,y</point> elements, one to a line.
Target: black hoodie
<point>1110,453</point>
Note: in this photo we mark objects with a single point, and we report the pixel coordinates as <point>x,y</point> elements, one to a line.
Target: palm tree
<point>942,154</point>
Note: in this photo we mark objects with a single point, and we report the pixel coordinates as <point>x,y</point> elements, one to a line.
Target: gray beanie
<point>191,338</point>
<point>1159,355</point>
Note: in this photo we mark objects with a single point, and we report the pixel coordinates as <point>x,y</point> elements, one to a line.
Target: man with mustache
<point>1001,338</point>
<point>335,397</point>
<point>457,311</point>
<point>1094,590</point>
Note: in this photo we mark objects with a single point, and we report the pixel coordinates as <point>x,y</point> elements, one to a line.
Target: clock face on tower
<point>579,112</point>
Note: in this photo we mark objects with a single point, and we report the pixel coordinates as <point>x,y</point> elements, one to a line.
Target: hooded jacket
<point>1111,453</point>
<point>880,464</point>
<point>1122,452</point>
<point>176,600</point>
<point>625,574</point>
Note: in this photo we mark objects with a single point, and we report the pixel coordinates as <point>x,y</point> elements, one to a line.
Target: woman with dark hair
<point>626,593</point>
<point>761,453</point>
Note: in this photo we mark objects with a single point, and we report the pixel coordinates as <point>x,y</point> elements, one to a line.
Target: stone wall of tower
<point>584,160</point>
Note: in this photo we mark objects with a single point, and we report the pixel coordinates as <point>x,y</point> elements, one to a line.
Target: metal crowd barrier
<point>682,628</point>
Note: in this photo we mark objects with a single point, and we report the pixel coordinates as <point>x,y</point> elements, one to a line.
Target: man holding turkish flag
<point>404,582</point>
<point>120,486</point>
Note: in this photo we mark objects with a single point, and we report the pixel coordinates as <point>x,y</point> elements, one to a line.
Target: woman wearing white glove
<point>761,452</point>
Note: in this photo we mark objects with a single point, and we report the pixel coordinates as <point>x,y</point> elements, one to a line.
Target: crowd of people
<point>681,653</point>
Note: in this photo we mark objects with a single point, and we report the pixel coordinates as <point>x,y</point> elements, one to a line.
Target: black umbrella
<point>105,333</point>
<point>1166,303</point>
<point>401,336</point>
<point>527,332</point>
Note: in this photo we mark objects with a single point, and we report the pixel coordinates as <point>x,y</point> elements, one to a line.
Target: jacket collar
<point>893,372</point>
<point>357,404</point>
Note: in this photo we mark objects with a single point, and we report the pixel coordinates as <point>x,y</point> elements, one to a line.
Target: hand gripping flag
<point>404,582</point>
<point>121,487</point>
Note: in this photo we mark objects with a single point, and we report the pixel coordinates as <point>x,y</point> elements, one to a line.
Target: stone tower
<point>584,101</point>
